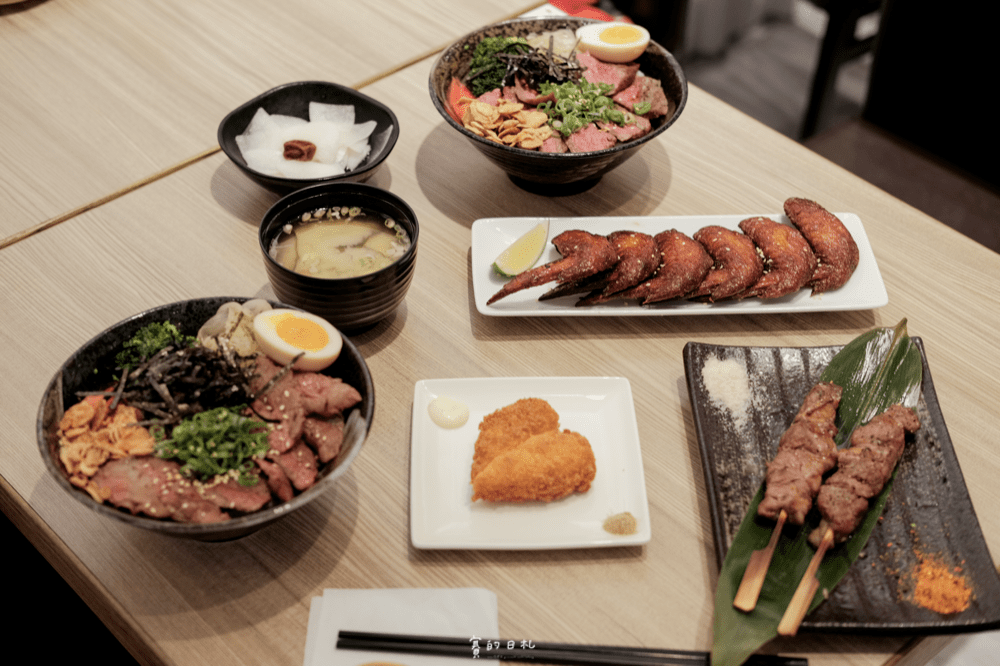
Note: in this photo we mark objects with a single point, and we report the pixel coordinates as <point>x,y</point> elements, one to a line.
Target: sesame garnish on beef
<point>325,436</point>
<point>155,487</point>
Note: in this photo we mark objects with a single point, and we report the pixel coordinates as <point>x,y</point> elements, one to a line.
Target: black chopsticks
<point>541,653</point>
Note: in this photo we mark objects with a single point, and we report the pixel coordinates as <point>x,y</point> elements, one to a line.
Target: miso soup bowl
<point>352,303</point>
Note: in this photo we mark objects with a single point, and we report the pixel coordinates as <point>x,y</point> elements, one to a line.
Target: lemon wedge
<point>524,252</point>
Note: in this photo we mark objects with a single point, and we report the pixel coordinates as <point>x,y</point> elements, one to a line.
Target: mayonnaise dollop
<point>448,412</point>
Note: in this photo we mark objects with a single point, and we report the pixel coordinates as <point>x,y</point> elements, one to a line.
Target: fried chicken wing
<point>835,249</point>
<point>546,467</point>
<point>508,427</point>
<point>638,257</point>
<point>584,286</point>
<point>583,254</point>
<point>737,264</point>
<point>684,263</point>
<point>790,262</point>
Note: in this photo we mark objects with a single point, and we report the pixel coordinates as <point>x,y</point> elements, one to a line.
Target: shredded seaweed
<point>536,66</point>
<point>176,383</point>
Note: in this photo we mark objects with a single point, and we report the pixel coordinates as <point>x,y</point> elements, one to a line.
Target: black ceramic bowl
<point>552,172</point>
<point>77,373</point>
<point>292,99</point>
<point>347,303</point>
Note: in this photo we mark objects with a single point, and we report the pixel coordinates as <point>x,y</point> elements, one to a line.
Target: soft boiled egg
<point>283,334</point>
<point>613,42</point>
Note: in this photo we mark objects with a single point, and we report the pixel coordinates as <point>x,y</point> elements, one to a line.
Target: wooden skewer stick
<point>756,571</point>
<point>806,590</point>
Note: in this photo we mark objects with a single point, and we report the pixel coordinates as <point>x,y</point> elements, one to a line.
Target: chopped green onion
<point>578,104</point>
<point>215,442</point>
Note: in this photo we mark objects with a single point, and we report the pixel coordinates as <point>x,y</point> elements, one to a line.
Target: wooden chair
<point>929,132</point>
<point>839,47</point>
<point>933,82</point>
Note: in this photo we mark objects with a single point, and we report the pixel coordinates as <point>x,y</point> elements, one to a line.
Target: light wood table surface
<point>193,234</point>
<point>97,95</point>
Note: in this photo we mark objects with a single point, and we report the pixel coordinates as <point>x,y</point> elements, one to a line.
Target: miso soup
<point>340,243</point>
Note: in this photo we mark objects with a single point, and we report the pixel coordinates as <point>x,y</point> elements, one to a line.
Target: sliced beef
<point>589,139</point>
<point>491,97</point>
<point>154,487</point>
<point>294,396</point>
<point>529,95</point>
<point>618,76</point>
<point>229,493</point>
<point>325,436</point>
<point>264,371</point>
<point>554,144</point>
<point>282,401</point>
<point>300,403</point>
<point>510,94</point>
<point>634,127</point>
<point>299,465</point>
<point>645,89</point>
<point>285,432</point>
<point>277,480</point>
<point>325,396</point>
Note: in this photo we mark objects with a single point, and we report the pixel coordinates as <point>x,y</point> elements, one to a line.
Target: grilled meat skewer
<point>862,471</point>
<point>805,453</point>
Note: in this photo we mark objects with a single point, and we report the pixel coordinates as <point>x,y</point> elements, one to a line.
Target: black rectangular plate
<point>928,511</point>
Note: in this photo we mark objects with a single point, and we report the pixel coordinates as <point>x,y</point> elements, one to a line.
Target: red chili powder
<point>938,587</point>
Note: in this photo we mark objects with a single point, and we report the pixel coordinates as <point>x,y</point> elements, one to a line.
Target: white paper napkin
<point>431,612</point>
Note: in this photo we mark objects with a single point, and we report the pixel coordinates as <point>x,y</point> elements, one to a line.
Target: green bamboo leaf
<point>876,370</point>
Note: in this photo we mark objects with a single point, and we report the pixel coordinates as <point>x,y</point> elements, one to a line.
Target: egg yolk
<point>301,333</point>
<point>620,34</point>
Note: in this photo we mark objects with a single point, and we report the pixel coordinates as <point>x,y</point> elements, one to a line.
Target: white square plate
<point>491,236</point>
<point>442,514</point>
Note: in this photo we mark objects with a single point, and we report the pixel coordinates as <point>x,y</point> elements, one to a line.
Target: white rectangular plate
<point>442,514</point>
<point>490,236</point>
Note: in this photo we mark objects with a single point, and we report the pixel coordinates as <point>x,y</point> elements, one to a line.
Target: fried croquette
<point>509,427</point>
<point>544,468</point>
<point>830,240</point>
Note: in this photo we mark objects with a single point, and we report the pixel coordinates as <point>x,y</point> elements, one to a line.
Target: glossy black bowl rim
<point>350,283</point>
<point>238,526</point>
<point>296,182</point>
<point>562,158</point>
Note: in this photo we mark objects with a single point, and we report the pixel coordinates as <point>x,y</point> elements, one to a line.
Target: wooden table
<point>193,234</point>
<point>99,95</point>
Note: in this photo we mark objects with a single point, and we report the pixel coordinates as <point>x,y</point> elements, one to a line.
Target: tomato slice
<point>457,91</point>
